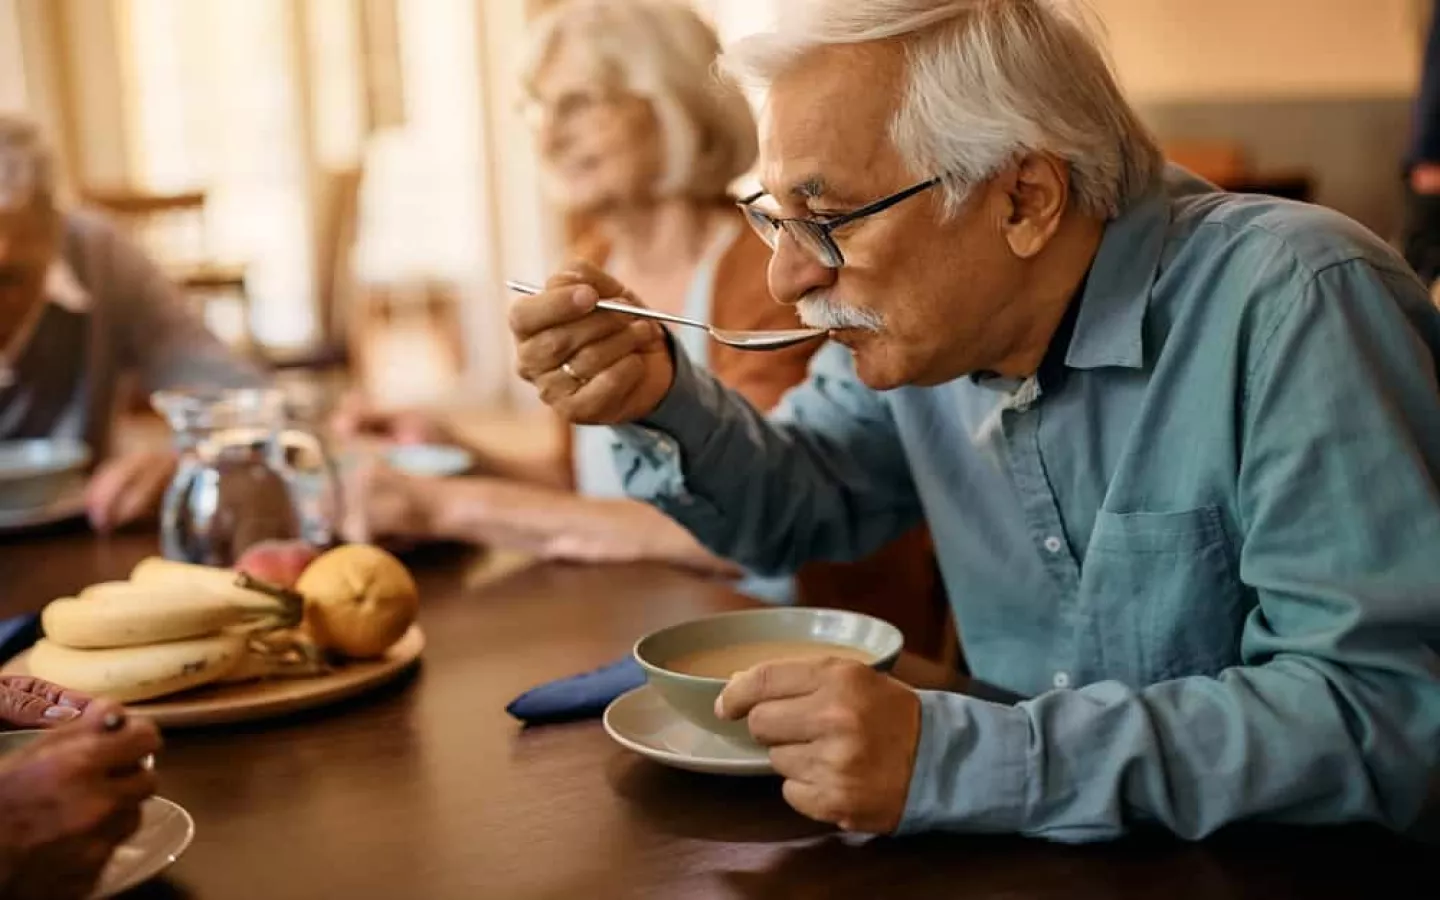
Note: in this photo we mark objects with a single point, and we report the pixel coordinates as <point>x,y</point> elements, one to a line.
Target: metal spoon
<point>740,339</point>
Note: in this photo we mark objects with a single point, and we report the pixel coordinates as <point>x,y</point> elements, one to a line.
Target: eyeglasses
<point>538,111</point>
<point>816,236</point>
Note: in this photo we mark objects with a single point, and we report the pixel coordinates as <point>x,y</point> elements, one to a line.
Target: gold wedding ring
<point>570,370</point>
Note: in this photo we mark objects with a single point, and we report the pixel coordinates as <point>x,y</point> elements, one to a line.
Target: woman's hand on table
<point>128,488</point>
<point>382,503</point>
<point>27,702</point>
<point>68,799</point>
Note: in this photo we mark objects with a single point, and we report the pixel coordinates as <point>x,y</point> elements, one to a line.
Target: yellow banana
<point>125,614</point>
<point>157,570</point>
<point>130,674</point>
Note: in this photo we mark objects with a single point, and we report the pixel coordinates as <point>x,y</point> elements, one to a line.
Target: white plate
<point>70,505</point>
<point>643,722</point>
<point>166,829</point>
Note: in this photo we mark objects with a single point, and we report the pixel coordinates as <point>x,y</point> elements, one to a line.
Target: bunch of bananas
<point>171,627</point>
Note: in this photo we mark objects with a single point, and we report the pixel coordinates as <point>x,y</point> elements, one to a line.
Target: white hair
<point>987,80</point>
<point>27,168</point>
<point>664,52</point>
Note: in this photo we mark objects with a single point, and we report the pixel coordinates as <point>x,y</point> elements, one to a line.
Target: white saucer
<point>70,505</point>
<point>166,829</point>
<point>643,722</point>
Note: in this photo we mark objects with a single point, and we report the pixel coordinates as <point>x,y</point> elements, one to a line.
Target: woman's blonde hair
<point>664,52</point>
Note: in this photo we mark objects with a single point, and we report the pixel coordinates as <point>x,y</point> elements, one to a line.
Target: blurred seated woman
<point>639,143</point>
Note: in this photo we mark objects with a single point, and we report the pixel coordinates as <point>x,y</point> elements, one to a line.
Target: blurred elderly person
<point>1179,450</point>
<point>79,305</point>
<point>640,142</point>
<point>70,797</point>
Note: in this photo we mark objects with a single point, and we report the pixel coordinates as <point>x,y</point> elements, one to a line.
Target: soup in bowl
<point>690,663</point>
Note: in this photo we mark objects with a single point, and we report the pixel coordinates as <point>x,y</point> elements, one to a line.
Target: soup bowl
<point>721,645</point>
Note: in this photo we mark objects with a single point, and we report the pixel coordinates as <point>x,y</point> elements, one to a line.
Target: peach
<point>277,563</point>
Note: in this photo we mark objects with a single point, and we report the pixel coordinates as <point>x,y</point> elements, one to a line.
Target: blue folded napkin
<point>581,696</point>
<point>17,634</point>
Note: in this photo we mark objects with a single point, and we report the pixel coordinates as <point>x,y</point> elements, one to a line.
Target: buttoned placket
<point>1020,421</point>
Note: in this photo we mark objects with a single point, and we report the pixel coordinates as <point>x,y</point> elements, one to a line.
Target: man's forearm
<point>823,478</point>
<point>1293,741</point>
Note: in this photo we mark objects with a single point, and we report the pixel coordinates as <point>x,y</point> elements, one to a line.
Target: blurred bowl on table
<point>690,663</point>
<point>430,460</point>
<point>36,473</point>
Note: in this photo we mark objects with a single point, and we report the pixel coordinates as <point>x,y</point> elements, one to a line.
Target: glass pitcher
<point>245,475</point>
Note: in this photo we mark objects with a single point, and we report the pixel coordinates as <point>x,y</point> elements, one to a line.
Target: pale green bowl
<point>693,696</point>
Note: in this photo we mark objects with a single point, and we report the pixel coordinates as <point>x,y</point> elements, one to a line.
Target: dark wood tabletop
<point>429,790</point>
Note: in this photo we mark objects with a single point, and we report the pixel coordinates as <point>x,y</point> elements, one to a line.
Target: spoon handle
<point>643,313</point>
<point>524,287</point>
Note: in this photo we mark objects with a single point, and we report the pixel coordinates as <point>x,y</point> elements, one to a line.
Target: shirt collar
<point>1109,327</point>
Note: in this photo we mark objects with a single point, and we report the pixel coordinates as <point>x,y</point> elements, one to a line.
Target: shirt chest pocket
<point>1163,594</point>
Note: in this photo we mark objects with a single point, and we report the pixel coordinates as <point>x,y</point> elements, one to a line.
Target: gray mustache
<point>819,311</point>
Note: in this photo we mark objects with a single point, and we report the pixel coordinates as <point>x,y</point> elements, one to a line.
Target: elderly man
<point>78,306</point>
<point>1178,449</point>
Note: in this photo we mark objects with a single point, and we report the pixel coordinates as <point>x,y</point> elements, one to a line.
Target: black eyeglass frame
<point>814,235</point>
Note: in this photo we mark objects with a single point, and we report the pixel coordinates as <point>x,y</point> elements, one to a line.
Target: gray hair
<point>663,51</point>
<point>27,167</point>
<point>988,80</point>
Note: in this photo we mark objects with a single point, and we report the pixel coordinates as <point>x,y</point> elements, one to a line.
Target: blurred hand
<point>381,503</point>
<point>354,416</point>
<point>619,367</point>
<point>843,736</point>
<point>27,702</point>
<point>68,800</point>
<point>128,488</point>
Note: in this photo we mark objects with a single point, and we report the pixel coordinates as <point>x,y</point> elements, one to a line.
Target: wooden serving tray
<point>251,700</point>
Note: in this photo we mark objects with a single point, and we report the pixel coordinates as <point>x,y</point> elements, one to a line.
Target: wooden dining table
<point>427,789</point>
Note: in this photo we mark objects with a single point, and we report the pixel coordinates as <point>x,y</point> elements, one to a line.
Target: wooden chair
<point>1227,165</point>
<point>406,345</point>
<point>171,228</point>
<point>1218,162</point>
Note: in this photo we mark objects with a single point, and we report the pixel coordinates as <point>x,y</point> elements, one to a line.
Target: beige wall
<point>1232,49</point>
<point>1174,49</point>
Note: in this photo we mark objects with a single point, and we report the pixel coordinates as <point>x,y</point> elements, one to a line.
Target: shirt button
<point>1054,544</point>
<point>1061,680</point>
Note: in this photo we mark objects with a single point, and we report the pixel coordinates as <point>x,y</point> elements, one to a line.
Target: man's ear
<point>1037,189</point>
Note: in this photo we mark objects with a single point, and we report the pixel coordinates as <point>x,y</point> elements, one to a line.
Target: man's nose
<point>793,273</point>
